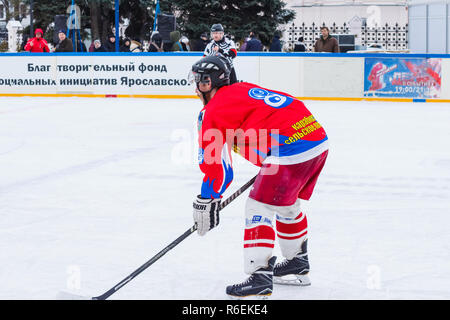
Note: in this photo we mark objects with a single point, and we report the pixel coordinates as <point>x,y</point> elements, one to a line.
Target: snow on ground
<point>90,189</point>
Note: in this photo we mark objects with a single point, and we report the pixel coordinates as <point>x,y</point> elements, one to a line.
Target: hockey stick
<point>107,294</point>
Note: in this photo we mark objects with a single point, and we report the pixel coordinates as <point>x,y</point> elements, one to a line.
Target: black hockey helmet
<point>217,27</point>
<point>211,68</point>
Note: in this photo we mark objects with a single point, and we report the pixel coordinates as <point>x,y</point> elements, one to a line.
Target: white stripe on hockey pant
<point>291,235</point>
<point>289,220</point>
<point>259,241</point>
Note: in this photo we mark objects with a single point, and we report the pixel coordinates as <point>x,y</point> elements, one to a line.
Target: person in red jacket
<point>277,133</point>
<point>38,43</point>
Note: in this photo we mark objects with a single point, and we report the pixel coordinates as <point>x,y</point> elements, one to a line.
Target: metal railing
<point>391,37</point>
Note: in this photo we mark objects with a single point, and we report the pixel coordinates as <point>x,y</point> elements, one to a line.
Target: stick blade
<point>65,295</point>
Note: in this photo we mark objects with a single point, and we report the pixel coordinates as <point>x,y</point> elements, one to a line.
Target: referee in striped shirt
<point>223,45</point>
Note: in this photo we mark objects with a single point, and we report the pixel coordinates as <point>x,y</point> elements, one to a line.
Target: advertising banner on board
<point>128,75</point>
<point>402,77</point>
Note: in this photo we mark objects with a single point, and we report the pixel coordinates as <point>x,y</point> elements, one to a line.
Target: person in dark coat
<point>156,43</point>
<point>276,43</point>
<point>25,39</point>
<point>110,45</point>
<point>125,47</point>
<point>98,46</point>
<point>326,43</point>
<point>254,44</point>
<point>299,46</point>
<point>201,43</point>
<point>64,44</point>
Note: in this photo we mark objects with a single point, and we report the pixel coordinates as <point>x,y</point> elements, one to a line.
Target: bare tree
<point>16,5</point>
<point>12,8</point>
<point>6,5</point>
<point>94,7</point>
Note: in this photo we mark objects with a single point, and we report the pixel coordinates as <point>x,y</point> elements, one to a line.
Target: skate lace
<point>283,263</point>
<point>245,282</point>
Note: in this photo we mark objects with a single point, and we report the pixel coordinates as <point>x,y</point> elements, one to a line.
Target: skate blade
<point>251,297</point>
<point>293,280</point>
<point>64,295</point>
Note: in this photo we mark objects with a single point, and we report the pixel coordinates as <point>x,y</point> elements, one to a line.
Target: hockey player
<point>223,45</point>
<point>276,132</point>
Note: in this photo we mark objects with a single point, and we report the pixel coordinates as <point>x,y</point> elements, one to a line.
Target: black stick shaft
<point>223,204</point>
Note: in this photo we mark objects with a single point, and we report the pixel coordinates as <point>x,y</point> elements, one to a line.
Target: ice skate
<point>295,271</point>
<point>259,285</point>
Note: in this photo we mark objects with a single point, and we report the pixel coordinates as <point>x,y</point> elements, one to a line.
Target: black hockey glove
<point>206,214</point>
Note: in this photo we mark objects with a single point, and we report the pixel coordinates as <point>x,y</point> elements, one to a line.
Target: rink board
<point>312,76</point>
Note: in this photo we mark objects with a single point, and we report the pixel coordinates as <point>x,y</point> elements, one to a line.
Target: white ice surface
<point>90,189</point>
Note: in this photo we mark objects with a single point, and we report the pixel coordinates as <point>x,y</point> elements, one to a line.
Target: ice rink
<point>92,188</point>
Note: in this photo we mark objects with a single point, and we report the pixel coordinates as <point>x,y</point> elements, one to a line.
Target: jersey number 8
<point>272,99</point>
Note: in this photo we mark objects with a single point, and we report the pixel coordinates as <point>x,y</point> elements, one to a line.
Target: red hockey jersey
<point>261,125</point>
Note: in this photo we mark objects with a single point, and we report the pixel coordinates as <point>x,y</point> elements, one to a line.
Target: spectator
<point>276,43</point>
<point>299,46</point>
<point>175,38</point>
<point>254,44</point>
<point>156,43</point>
<point>125,47</point>
<point>98,46</point>
<point>326,43</point>
<point>38,43</point>
<point>25,39</point>
<point>244,44</point>
<point>136,46</point>
<point>185,43</point>
<point>201,43</point>
<point>110,45</point>
<point>64,44</point>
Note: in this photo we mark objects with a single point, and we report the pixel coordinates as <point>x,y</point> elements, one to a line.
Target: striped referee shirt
<point>226,47</point>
